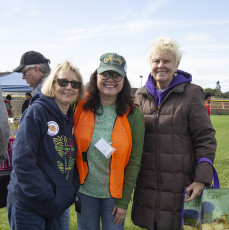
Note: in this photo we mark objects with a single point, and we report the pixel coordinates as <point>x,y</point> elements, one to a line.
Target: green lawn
<point>221,125</point>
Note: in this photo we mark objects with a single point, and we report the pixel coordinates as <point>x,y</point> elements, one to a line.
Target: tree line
<point>217,93</point>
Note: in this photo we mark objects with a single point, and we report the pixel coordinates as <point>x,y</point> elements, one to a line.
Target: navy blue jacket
<point>44,153</point>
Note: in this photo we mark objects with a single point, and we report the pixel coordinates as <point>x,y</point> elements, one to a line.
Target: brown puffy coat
<point>176,136</point>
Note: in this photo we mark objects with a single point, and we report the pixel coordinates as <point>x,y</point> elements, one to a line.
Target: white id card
<point>105,148</point>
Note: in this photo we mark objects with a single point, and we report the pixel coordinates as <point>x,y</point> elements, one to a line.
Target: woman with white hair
<point>178,132</point>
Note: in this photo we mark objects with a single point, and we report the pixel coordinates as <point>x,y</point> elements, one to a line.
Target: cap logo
<point>113,60</point>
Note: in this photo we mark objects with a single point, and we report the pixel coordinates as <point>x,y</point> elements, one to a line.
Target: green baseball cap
<point>114,62</point>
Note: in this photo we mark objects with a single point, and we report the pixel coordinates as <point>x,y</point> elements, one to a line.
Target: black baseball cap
<point>30,58</point>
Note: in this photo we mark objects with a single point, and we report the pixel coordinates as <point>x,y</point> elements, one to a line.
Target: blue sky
<point>82,30</point>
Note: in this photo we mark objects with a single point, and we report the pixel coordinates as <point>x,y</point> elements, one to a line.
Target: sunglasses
<point>115,76</point>
<point>65,82</point>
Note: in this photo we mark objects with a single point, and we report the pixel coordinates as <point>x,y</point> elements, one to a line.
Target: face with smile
<point>163,67</point>
<point>109,88</point>
<point>65,96</point>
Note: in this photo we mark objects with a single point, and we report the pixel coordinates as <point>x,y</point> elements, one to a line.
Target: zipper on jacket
<point>151,98</point>
<point>157,166</point>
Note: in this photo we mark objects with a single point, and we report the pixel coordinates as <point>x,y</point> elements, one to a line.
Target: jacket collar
<point>177,89</point>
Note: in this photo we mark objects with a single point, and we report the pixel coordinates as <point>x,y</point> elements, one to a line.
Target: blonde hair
<point>48,88</point>
<point>164,44</point>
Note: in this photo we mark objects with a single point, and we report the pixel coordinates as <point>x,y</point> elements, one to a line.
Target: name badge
<point>105,148</point>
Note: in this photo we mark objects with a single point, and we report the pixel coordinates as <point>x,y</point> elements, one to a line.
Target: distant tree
<point>217,94</point>
<point>226,94</point>
<point>212,91</point>
<point>218,86</point>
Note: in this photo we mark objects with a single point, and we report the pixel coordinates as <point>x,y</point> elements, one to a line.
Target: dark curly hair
<point>8,97</point>
<point>124,98</point>
<point>207,94</point>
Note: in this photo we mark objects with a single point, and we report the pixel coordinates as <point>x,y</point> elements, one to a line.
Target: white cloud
<point>199,38</point>
<point>48,46</point>
<point>35,12</point>
<point>152,6</point>
<point>12,9</point>
<point>4,31</point>
<point>83,31</point>
<point>132,26</point>
<point>140,9</point>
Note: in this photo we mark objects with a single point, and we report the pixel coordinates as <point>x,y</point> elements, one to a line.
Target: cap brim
<point>18,69</point>
<point>102,69</point>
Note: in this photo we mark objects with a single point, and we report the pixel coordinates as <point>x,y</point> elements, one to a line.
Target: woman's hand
<point>194,190</point>
<point>119,215</point>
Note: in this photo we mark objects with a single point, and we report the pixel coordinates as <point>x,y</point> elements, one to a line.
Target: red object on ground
<point>7,164</point>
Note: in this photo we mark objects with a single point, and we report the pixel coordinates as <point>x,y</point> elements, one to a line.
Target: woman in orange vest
<point>109,132</point>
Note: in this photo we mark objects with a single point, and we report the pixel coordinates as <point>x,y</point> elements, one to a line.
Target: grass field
<point>221,125</point>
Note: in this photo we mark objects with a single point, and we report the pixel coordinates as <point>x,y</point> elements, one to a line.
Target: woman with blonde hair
<point>44,178</point>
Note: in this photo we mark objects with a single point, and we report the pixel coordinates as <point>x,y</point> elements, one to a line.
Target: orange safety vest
<point>121,140</point>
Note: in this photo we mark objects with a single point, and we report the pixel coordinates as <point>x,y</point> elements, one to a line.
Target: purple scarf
<point>158,95</point>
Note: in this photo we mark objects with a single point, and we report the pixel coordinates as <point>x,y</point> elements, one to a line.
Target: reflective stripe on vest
<point>121,140</point>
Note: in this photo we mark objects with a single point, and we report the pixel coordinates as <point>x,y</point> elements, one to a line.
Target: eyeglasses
<point>115,76</point>
<point>65,82</point>
<point>24,73</point>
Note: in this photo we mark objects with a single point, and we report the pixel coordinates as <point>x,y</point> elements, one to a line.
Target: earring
<point>175,74</point>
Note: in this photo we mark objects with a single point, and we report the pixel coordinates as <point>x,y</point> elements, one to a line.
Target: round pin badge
<point>53,128</point>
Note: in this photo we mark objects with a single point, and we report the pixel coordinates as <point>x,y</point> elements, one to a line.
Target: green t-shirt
<point>98,178</point>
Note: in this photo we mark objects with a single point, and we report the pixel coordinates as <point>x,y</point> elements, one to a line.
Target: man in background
<point>26,102</point>
<point>208,101</point>
<point>34,67</point>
